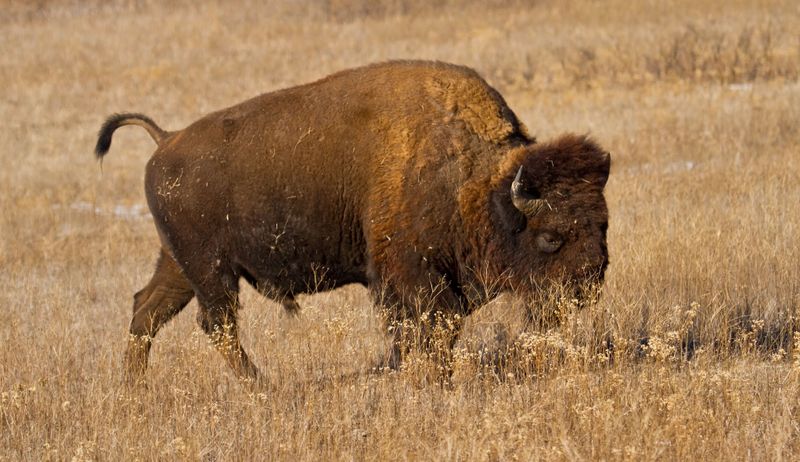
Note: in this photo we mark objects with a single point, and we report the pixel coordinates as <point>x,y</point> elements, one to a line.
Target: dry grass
<point>698,101</point>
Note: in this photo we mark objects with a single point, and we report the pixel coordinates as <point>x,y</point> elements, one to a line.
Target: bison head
<point>550,217</point>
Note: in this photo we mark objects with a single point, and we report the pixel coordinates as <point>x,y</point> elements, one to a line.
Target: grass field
<point>698,102</point>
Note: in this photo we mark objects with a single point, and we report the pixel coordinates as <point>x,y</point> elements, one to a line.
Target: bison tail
<point>118,120</point>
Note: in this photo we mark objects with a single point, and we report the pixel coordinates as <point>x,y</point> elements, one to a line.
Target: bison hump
<point>469,99</point>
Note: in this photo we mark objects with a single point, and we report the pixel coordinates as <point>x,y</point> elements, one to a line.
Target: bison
<point>414,179</point>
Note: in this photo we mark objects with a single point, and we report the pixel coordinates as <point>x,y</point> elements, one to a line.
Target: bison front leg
<point>393,357</point>
<point>429,324</point>
<point>167,293</point>
<point>433,333</point>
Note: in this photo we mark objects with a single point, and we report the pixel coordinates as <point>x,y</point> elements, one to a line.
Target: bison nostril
<point>548,242</point>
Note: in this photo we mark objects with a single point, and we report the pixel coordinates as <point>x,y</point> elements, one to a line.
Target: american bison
<point>412,178</point>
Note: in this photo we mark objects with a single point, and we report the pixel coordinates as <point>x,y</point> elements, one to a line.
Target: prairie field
<point>692,352</point>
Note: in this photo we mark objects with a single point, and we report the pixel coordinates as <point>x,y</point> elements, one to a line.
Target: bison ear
<point>505,214</point>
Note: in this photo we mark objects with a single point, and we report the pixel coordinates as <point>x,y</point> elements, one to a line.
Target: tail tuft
<point>118,120</point>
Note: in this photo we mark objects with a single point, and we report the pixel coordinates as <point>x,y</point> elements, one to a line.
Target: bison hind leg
<point>219,303</point>
<point>167,293</point>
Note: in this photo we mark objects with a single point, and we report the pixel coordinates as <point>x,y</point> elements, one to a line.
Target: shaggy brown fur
<point>396,176</point>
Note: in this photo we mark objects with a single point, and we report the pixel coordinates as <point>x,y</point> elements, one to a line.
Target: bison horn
<point>522,200</point>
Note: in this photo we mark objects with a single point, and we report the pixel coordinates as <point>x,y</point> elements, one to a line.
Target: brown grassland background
<point>697,100</point>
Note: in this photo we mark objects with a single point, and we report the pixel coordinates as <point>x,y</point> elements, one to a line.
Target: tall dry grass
<point>698,101</point>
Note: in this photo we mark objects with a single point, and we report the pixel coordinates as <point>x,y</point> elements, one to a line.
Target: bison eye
<point>548,242</point>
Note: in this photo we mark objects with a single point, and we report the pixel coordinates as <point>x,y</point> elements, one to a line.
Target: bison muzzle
<point>414,179</point>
